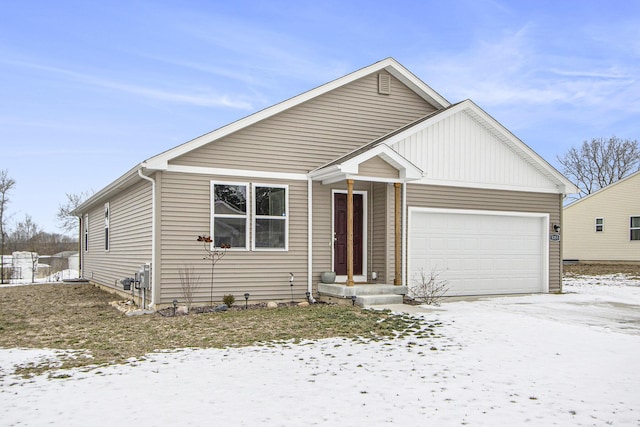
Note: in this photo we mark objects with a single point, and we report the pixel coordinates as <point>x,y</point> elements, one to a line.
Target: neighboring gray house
<point>605,226</point>
<point>373,175</point>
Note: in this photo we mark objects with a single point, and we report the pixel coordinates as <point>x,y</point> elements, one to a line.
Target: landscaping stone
<point>272,304</point>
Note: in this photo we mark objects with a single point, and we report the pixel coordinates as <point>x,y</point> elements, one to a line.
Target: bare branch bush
<point>189,282</point>
<point>427,288</point>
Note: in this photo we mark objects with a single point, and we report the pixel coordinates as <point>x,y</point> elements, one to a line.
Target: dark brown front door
<point>340,237</point>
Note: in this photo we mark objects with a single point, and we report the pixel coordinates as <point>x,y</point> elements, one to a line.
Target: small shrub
<point>428,289</point>
<point>229,300</point>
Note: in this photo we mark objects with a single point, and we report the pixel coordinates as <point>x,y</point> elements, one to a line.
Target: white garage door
<point>481,252</point>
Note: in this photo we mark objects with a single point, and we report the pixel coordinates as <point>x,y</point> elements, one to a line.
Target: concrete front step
<point>367,300</point>
<point>364,294</point>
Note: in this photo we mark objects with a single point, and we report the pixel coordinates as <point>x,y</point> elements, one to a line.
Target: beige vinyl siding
<point>186,214</point>
<point>378,168</point>
<point>616,204</point>
<point>376,227</point>
<point>379,219</point>
<point>129,237</point>
<point>322,237</point>
<point>513,201</point>
<point>315,132</point>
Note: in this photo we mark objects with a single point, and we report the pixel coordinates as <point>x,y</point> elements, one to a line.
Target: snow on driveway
<point>568,359</point>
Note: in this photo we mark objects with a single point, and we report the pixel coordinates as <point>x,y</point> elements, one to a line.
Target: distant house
<point>374,176</point>
<point>605,226</point>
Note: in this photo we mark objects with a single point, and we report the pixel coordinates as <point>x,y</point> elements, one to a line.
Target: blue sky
<point>90,89</point>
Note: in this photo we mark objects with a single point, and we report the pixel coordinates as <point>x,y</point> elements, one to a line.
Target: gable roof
<point>347,166</point>
<point>393,67</point>
<point>603,189</point>
<point>478,114</point>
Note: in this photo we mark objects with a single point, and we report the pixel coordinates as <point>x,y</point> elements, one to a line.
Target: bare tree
<point>6,185</point>
<point>65,217</point>
<point>600,162</point>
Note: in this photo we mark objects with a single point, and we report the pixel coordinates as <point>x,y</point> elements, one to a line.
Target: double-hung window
<point>230,219</point>
<point>634,229</point>
<point>270,217</point>
<point>599,224</point>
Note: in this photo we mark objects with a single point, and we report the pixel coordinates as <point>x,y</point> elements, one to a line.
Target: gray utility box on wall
<point>143,277</point>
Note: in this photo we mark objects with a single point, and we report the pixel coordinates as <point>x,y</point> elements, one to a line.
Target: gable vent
<point>384,84</point>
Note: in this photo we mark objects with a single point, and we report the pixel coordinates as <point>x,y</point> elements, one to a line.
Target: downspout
<point>404,234</point>
<point>310,239</point>
<point>153,239</point>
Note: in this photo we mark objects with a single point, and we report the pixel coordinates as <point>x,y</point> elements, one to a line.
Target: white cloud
<point>204,97</point>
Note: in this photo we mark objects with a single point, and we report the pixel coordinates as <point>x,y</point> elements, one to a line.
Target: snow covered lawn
<point>570,359</point>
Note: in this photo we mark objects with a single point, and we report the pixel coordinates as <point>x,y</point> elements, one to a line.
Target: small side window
<point>634,233</point>
<point>599,225</point>
<point>107,214</point>
<point>85,225</point>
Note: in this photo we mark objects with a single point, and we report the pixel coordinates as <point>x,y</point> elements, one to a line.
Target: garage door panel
<point>479,253</point>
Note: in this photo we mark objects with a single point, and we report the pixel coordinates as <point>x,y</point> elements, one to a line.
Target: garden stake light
<point>291,284</point>
<point>246,300</point>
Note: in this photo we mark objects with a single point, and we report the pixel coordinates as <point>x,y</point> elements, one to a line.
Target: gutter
<point>310,239</point>
<point>153,237</point>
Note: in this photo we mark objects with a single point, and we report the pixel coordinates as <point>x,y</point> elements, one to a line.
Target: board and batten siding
<point>129,237</point>
<point>445,197</point>
<point>615,204</point>
<point>316,132</point>
<point>264,274</point>
<point>458,149</point>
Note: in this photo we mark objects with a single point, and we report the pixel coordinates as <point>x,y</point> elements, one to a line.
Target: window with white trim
<point>107,216</point>
<point>634,229</point>
<point>229,219</point>
<point>270,217</point>
<point>599,225</point>
<point>85,224</point>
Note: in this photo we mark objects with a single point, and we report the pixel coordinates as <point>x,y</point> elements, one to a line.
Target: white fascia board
<point>417,85</point>
<point>243,173</point>
<point>387,154</point>
<point>161,160</point>
<point>122,182</point>
<point>484,186</point>
<point>325,173</point>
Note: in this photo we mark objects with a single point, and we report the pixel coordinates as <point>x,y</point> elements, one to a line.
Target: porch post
<point>397,252</point>
<point>350,281</point>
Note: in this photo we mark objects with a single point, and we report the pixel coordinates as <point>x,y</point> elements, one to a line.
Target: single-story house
<point>605,225</point>
<point>373,176</point>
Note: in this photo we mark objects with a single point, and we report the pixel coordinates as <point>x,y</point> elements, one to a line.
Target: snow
<point>569,359</point>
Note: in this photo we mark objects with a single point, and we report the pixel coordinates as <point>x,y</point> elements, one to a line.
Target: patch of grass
<point>601,269</point>
<point>79,317</point>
